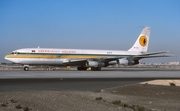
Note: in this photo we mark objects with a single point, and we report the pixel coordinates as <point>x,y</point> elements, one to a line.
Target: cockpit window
<point>15,53</point>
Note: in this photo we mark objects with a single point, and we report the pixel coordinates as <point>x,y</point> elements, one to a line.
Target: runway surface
<point>89,74</point>
<point>76,80</point>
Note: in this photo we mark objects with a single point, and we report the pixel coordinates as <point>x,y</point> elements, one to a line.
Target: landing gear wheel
<point>82,68</point>
<point>96,68</point>
<point>26,68</point>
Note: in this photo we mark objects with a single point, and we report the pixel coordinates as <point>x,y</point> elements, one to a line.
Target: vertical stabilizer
<point>141,44</point>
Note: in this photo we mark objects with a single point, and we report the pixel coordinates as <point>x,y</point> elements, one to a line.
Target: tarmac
<point>71,80</point>
<point>67,90</point>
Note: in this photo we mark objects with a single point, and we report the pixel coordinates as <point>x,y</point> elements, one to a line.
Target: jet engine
<point>112,63</point>
<point>94,64</point>
<point>125,61</point>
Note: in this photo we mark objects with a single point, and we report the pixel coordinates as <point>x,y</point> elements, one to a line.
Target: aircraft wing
<point>81,62</point>
<point>75,62</point>
<point>112,58</point>
<point>145,55</point>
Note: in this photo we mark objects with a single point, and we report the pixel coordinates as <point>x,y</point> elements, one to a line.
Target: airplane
<point>85,58</point>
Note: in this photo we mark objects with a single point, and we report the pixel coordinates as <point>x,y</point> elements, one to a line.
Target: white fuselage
<point>59,56</point>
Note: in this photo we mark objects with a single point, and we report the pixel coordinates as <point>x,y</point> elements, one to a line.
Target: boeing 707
<point>85,58</point>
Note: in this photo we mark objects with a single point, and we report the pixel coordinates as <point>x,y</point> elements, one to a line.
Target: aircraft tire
<point>26,68</point>
<point>82,68</point>
<point>96,68</point>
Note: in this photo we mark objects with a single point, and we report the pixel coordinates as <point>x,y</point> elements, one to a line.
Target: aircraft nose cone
<point>12,58</point>
<point>7,57</point>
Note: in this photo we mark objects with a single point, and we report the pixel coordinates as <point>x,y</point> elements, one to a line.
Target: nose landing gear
<point>26,68</point>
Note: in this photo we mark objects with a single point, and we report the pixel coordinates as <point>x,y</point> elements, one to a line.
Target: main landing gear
<point>82,68</point>
<point>92,68</point>
<point>26,68</point>
<point>96,68</point>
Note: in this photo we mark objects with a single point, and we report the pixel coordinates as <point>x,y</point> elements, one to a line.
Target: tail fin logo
<point>143,41</point>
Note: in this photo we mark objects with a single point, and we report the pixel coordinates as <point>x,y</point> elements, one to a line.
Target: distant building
<point>174,63</point>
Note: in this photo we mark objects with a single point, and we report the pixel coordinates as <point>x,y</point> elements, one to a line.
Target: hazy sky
<point>89,24</point>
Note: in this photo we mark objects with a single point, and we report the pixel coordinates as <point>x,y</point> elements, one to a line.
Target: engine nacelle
<point>125,61</point>
<point>112,63</point>
<point>94,64</point>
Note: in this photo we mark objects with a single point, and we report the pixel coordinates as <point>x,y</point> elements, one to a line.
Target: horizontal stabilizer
<point>145,56</point>
<point>154,53</point>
